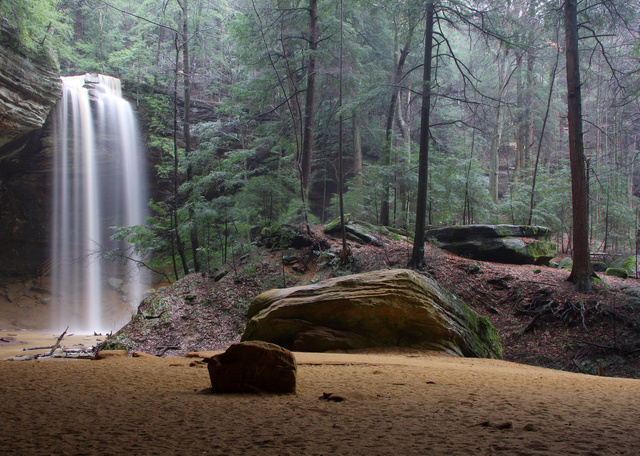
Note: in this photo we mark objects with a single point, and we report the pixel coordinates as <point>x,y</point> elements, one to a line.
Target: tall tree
<point>176,221</point>
<point>391,115</point>
<point>309,108</point>
<point>417,254</point>
<point>186,124</point>
<point>504,76</point>
<point>582,269</point>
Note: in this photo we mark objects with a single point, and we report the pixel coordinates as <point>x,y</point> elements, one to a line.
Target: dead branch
<point>37,348</point>
<point>57,344</point>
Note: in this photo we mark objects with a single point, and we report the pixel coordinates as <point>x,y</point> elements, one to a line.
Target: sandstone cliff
<point>29,88</point>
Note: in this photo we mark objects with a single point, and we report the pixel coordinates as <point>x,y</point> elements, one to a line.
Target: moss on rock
<point>382,308</point>
<point>617,272</point>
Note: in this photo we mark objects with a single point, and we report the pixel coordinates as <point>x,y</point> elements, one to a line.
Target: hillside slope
<point>541,320</point>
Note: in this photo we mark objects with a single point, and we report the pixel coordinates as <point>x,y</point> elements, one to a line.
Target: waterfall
<point>99,182</point>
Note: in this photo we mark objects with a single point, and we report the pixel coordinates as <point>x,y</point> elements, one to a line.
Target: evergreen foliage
<point>248,66</point>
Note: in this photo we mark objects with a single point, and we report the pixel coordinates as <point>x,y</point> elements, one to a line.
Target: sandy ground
<point>22,339</point>
<point>400,403</point>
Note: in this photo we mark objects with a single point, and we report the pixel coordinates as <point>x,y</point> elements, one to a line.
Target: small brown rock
<point>139,354</point>
<point>104,354</point>
<point>504,425</point>
<point>253,367</point>
<point>331,397</point>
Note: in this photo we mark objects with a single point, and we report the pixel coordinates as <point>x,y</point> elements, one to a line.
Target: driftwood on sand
<point>78,351</point>
<point>37,348</point>
<point>57,344</point>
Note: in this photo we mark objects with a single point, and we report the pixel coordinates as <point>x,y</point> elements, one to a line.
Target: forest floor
<point>542,321</point>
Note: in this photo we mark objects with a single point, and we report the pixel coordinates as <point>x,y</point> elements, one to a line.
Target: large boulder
<point>360,232</point>
<point>284,236</point>
<point>376,309</point>
<point>251,367</point>
<point>512,244</point>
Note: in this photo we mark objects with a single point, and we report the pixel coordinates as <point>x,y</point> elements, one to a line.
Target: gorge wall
<point>29,88</point>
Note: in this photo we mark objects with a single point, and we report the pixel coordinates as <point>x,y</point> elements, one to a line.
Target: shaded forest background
<point>225,91</point>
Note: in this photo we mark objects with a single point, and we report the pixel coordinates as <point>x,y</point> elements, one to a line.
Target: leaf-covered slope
<point>540,318</point>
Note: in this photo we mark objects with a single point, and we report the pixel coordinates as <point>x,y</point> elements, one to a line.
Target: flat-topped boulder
<point>396,307</point>
<point>512,244</point>
<point>360,232</point>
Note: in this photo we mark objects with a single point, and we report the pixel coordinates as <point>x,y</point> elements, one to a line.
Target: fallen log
<point>37,348</point>
<point>57,344</point>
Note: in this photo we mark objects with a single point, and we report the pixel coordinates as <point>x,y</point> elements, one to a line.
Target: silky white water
<point>99,183</point>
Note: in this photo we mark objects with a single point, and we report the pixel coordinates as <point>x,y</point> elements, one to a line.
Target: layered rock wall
<point>29,88</point>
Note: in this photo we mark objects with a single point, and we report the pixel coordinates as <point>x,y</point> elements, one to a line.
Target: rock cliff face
<point>25,208</point>
<point>29,88</point>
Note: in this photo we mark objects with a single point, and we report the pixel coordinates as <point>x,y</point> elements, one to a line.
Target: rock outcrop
<point>383,308</point>
<point>512,244</point>
<point>25,205</point>
<point>284,236</point>
<point>29,87</point>
<point>360,232</point>
<point>252,367</point>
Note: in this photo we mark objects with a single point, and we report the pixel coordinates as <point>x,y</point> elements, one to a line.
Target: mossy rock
<point>513,244</point>
<point>617,272</point>
<point>334,225</point>
<point>626,263</point>
<point>361,232</point>
<point>565,263</point>
<point>400,234</point>
<point>396,307</point>
<point>285,236</point>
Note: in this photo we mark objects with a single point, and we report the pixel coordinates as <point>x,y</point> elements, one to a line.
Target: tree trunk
<point>520,128</point>
<point>179,243</point>
<point>101,35</point>
<point>344,256</point>
<point>527,155</point>
<point>417,254</point>
<point>357,146</point>
<point>552,81</point>
<point>582,270</point>
<point>309,108</point>
<point>186,70</point>
<point>388,143</point>
<point>187,82</point>
<point>494,167</point>
<point>78,23</point>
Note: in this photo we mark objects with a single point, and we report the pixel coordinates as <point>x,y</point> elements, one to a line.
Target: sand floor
<point>22,339</point>
<point>400,403</point>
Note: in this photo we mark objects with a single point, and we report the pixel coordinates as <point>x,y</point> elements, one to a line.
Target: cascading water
<point>99,183</point>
